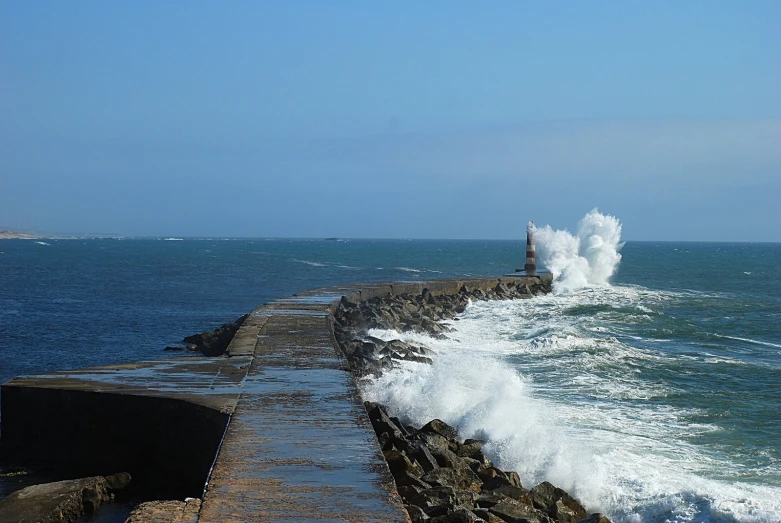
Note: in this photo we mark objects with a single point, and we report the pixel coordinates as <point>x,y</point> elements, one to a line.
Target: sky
<point>404,119</point>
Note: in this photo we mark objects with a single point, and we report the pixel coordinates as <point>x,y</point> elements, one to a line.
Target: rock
<point>494,478</point>
<point>489,498</point>
<point>423,456</point>
<point>437,510</point>
<point>428,297</point>
<point>399,464</point>
<point>514,512</point>
<point>433,441</point>
<point>471,463</point>
<point>471,448</point>
<point>61,501</point>
<point>435,496</point>
<point>409,491</point>
<point>459,515</point>
<point>463,479</point>
<point>408,479</point>
<point>485,515</point>
<point>382,423</point>
<point>214,343</point>
<point>416,514</point>
<point>594,518</point>
<point>438,426</point>
<point>118,481</point>
<point>557,503</point>
<point>447,458</point>
<point>166,511</point>
<point>173,349</point>
<point>514,479</point>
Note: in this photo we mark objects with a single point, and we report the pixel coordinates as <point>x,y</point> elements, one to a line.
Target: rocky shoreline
<point>424,313</point>
<point>441,478</point>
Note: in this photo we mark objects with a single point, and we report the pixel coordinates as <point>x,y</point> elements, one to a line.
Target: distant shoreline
<point>12,235</point>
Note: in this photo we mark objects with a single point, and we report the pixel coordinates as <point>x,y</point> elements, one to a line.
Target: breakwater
<point>273,430</point>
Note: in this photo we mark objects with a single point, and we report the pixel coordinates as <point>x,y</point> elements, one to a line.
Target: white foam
<point>749,340</point>
<point>557,399</point>
<point>307,262</point>
<point>589,257</point>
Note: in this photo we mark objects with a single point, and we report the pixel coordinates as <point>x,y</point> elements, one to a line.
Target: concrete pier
<point>275,430</point>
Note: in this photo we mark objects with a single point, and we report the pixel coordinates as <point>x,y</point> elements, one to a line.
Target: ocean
<point>648,384</point>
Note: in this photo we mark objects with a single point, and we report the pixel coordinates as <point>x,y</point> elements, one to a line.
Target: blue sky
<point>391,119</point>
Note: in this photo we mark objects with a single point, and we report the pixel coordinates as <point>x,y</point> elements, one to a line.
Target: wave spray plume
<point>589,257</point>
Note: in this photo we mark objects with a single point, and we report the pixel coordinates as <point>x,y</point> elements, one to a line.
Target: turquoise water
<point>654,397</point>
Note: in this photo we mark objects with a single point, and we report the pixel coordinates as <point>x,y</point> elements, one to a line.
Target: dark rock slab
<point>594,518</point>
<point>459,515</point>
<point>557,503</point>
<point>214,343</point>
<point>61,501</point>
<point>515,512</point>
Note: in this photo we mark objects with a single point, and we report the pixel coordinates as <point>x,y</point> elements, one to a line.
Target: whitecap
<point>307,262</point>
<point>749,340</point>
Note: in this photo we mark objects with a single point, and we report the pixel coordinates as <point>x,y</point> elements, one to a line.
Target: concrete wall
<point>167,445</point>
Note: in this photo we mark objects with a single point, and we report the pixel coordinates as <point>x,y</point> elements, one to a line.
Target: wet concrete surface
<point>298,444</point>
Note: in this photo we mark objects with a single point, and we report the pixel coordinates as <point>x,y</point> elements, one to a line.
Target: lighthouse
<point>530,268</point>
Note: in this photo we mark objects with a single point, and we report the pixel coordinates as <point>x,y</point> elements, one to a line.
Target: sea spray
<point>589,257</point>
<point>484,398</point>
<point>564,389</point>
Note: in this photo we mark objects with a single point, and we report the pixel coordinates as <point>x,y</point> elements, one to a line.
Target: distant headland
<point>8,234</point>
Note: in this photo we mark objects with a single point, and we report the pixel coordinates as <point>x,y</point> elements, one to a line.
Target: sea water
<point>647,384</point>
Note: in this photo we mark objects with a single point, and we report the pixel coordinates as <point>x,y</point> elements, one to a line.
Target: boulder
<point>471,448</point>
<point>494,478</point>
<point>434,496</point>
<point>382,423</point>
<point>459,515</point>
<point>407,479</point>
<point>399,464</point>
<point>215,343</point>
<point>447,458</point>
<point>485,515</point>
<point>435,442</point>
<point>594,518</point>
<point>61,501</point>
<point>463,479</point>
<point>514,512</point>
<point>416,514</point>
<point>438,426</point>
<point>556,503</point>
<point>423,456</point>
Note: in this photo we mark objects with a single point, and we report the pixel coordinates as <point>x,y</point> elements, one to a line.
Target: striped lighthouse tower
<point>531,258</point>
